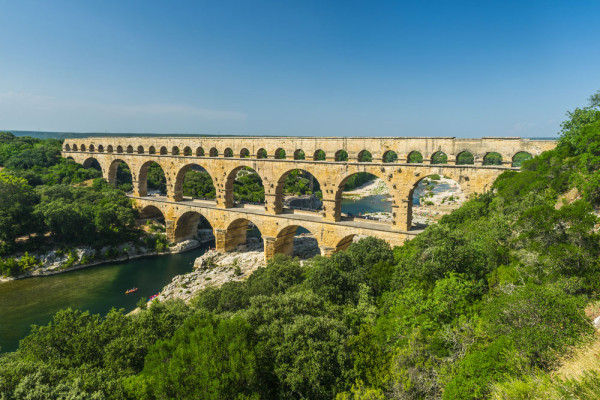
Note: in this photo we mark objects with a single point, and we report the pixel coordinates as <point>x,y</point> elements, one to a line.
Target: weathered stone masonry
<point>223,157</point>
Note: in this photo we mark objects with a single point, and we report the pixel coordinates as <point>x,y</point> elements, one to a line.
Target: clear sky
<point>357,68</point>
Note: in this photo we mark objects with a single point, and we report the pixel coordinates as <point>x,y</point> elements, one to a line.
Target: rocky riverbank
<point>213,269</point>
<point>370,188</point>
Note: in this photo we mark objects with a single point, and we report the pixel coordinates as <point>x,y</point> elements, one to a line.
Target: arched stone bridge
<point>273,158</point>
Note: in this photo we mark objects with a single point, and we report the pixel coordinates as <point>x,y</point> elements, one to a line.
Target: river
<point>376,203</point>
<point>98,289</point>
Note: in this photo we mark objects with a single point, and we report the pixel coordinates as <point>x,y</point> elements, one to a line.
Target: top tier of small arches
<point>507,157</point>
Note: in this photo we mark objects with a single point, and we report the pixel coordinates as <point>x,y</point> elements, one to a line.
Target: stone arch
<point>151,212</point>
<point>109,148</point>
<point>119,149</point>
<point>365,156</point>
<point>462,181</point>
<point>175,150</point>
<point>439,157</point>
<point>143,186</point>
<point>199,152</point>
<point>341,155</point>
<point>390,156</point>
<point>236,233</point>
<point>521,157</point>
<point>113,173</point>
<point>284,241</point>
<point>140,149</point>
<point>74,147</point>
<point>311,185</point>
<point>67,147</point>
<point>492,158</point>
<point>100,148</point>
<point>130,149</point>
<point>415,157</point>
<point>345,242</point>
<point>261,153</point>
<point>465,157</point>
<point>186,225</point>
<point>163,151</point>
<point>180,178</point>
<point>187,151</point>
<point>230,198</point>
<point>83,147</point>
<point>213,152</point>
<point>92,162</point>
<point>91,148</point>
<point>228,152</point>
<point>299,155</point>
<point>151,150</point>
<point>244,153</point>
<point>319,155</point>
<point>280,154</point>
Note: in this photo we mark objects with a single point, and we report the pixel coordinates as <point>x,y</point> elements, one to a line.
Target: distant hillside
<point>65,135</point>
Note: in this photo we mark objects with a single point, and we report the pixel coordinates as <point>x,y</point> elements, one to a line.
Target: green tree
<point>17,200</point>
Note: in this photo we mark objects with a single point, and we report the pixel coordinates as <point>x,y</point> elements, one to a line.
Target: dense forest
<point>484,304</point>
<point>47,201</point>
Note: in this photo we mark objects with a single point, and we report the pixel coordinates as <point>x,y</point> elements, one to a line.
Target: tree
<point>207,358</point>
<point>17,200</point>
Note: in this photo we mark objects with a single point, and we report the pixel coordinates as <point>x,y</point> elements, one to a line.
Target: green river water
<point>98,289</point>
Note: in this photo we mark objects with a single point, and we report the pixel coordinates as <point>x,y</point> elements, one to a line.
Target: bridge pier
<point>269,243</point>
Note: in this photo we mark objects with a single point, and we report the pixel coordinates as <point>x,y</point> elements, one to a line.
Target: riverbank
<point>370,188</point>
<point>213,269</point>
<point>57,262</point>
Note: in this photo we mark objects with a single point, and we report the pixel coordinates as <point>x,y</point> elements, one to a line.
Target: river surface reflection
<point>97,289</point>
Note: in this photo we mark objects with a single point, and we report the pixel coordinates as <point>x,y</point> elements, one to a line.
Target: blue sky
<point>313,68</point>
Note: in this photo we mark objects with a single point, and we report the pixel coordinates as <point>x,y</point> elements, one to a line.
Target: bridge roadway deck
<point>229,225</point>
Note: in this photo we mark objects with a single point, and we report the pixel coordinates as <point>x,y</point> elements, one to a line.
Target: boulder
<point>310,201</point>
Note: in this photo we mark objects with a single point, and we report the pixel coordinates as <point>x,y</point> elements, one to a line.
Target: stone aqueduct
<point>273,158</point>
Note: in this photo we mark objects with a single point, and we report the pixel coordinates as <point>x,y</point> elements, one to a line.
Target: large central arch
<point>303,181</point>
<point>159,181</point>
<point>180,178</point>
<point>342,185</point>
<point>119,173</point>
<point>230,199</point>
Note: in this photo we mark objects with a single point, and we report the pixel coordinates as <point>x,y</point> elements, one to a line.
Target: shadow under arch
<point>92,162</point>
<point>243,232</point>
<point>303,185</point>
<point>345,242</point>
<point>194,180</point>
<point>188,224</point>
<point>244,185</point>
<point>152,178</point>
<point>151,212</point>
<point>295,240</point>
